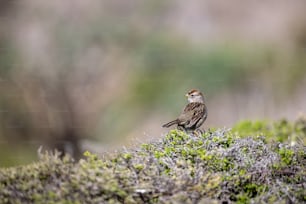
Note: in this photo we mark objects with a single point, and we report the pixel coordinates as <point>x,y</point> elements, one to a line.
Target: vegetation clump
<point>220,165</point>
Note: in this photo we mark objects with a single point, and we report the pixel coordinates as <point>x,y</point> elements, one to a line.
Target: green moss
<point>249,128</point>
<point>286,155</point>
<point>139,167</point>
<point>281,131</point>
<point>242,198</point>
<point>127,156</point>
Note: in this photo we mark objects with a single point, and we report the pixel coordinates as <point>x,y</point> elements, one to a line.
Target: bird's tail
<point>171,123</point>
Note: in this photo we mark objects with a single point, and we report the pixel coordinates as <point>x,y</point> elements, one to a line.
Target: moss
<point>286,155</point>
<point>281,131</point>
<point>218,166</point>
<point>127,156</point>
<point>139,167</point>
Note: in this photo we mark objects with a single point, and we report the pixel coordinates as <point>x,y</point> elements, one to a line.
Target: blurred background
<point>98,75</point>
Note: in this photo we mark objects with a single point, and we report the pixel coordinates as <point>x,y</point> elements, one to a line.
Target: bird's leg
<point>203,131</point>
<point>181,128</point>
<point>198,132</point>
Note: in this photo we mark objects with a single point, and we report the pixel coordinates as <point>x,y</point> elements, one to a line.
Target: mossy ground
<point>244,165</point>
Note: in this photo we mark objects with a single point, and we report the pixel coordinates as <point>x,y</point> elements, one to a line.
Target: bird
<point>193,115</point>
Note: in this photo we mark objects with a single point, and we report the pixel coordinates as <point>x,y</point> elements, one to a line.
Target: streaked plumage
<point>193,115</point>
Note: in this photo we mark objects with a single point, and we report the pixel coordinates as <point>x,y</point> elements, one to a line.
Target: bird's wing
<point>192,113</point>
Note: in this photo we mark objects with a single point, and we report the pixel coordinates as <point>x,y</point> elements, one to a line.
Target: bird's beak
<point>186,95</point>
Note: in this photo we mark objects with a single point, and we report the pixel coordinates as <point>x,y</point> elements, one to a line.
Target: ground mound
<point>252,163</point>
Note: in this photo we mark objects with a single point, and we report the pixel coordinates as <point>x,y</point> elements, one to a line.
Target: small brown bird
<point>194,113</point>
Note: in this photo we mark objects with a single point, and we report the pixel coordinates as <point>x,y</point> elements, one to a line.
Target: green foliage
<point>280,131</point>
<point>286,155</point>
<point>220,165</point>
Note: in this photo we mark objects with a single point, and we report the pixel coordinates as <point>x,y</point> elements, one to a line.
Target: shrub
<point>220,165</point>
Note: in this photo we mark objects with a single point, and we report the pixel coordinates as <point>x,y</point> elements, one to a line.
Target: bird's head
<point>195,95</point>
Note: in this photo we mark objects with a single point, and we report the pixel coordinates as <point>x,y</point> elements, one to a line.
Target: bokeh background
<point>98,75</point>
